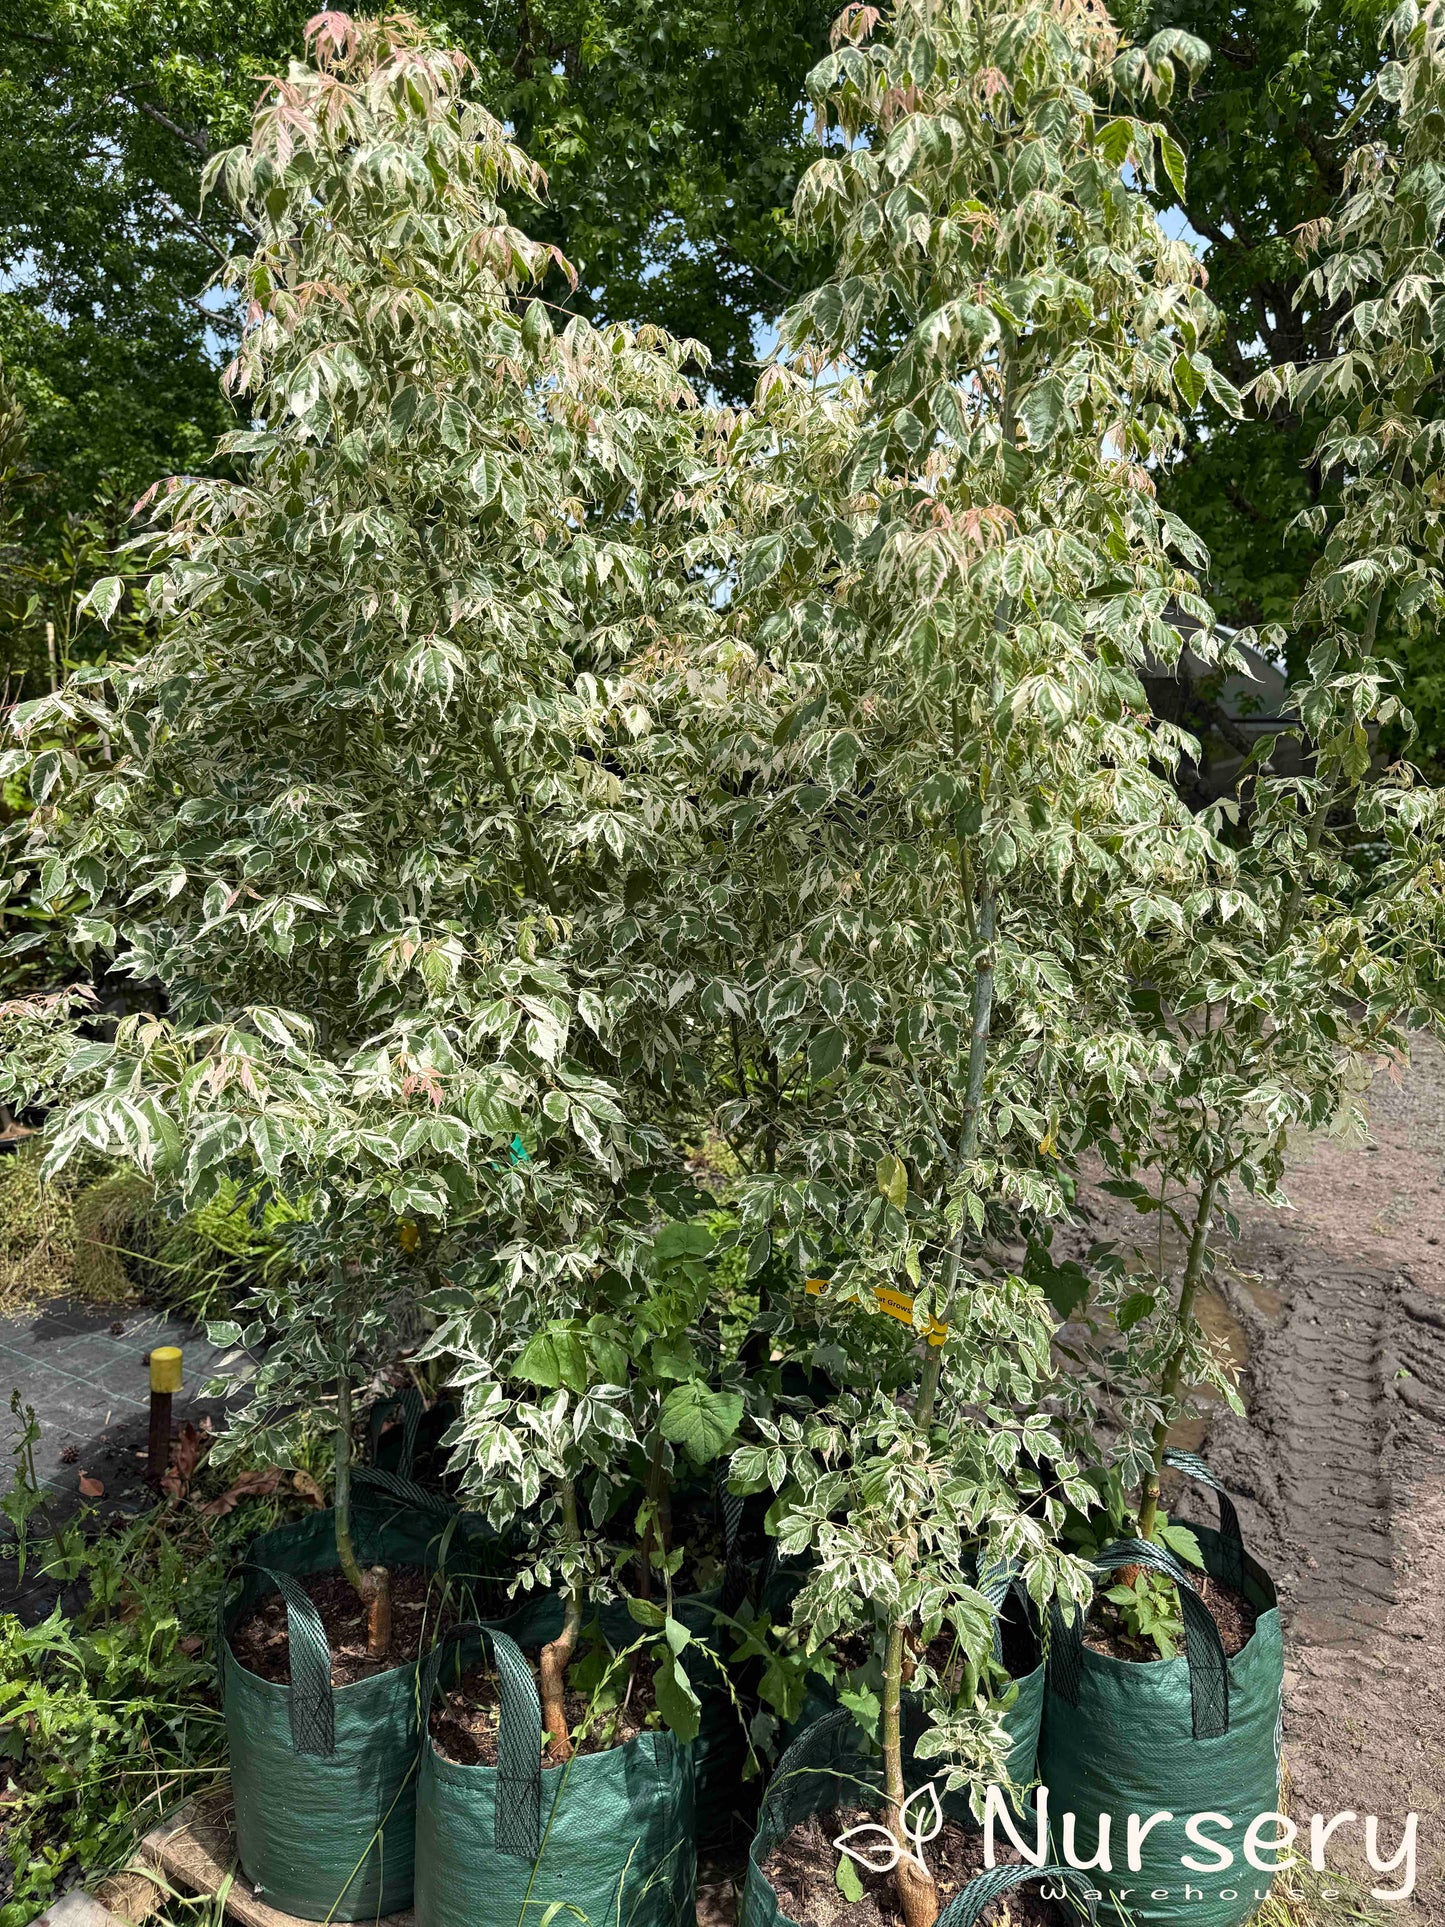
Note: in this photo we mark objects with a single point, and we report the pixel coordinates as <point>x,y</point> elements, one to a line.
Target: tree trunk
<point>378,1614</point>
<point>1169,1386</point>
<point>345,1550</point>
<point>980,1025</point>
<point>557,1656</point>
<point>915,1886</point>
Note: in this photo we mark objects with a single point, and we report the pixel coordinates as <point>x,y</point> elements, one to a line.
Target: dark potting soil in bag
<point>1189,1736</point>
<point>609,1833</point>
<point>324,1777</point>
<point>821,1772</point>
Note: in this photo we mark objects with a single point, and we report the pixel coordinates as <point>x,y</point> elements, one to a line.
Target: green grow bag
<point>1021,1722</point>
<point>719,1753</point>
<point>820,1770</point>
<point>1194,1735</point>
<point>609,1833</point>
<point>323,1778</point>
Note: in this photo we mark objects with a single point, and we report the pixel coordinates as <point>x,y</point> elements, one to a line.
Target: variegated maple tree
<point>941,811</point>
<point>375,777</point>
<point>1273,1003</point>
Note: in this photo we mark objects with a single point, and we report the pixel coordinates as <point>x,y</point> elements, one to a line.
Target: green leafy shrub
<point>109,1717</point>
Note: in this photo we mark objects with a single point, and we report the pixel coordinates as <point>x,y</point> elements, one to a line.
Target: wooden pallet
<point>196,1849</point>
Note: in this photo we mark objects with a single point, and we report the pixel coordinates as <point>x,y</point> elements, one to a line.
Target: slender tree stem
<point>1173,1371</point>
<point>658,1530</point>
<point>982,1018</point>
<point>378,1615</point>
<point>917,1890</point>
<point>892,1724</point>
<point>345,1550</point>
<point>1314,834</point>
<point>981,907</point>
<point>739,1068</point>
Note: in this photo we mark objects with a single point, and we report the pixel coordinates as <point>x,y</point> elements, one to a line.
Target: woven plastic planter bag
<point>1021,1721</point>
<point>821,1770</point>
<point>1194,1735</point>
<point>725,1801</point>
<point>324,1778</point>
<point>608,1833</point>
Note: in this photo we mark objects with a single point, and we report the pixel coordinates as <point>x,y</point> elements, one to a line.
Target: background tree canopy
<point>1262,132</point>
<point>673,136</point>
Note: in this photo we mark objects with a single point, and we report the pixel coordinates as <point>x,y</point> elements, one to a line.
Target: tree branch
<point>198,142</point>
<point>192,226</point>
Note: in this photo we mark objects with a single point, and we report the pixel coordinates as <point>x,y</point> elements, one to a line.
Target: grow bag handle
<point>996,1582</point>
<point>966,1907</point>
<point>1203,1650</point>
<point>735,1570</point>
<point>312,1709</point>
<point>406,1491</point>
<point>518,1805</point>
<point>1231,1540</point>
<point>412,1405</point>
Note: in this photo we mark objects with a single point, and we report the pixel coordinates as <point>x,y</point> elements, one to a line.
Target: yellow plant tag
<point>896,1304</point>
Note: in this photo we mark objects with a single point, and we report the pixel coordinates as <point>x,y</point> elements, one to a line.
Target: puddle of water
<point>1187,1434</point>
<point>1264,1297</point>
<point>1222,1328</point>
<point>1224,1331</point>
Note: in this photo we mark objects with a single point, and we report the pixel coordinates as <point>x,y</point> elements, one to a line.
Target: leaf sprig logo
<point>921,1820</point>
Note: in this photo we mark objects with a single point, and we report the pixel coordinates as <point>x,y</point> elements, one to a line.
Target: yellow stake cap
<point>166,1368</point>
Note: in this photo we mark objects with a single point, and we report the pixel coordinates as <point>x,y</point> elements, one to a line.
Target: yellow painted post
<point>165,1363</point>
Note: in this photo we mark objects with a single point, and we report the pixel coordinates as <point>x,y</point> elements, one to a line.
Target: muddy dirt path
<point>1339,1306</point>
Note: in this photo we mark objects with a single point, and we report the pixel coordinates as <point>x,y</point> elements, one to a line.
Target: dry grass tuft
<point>1300,1897</point>
<point>65,1237</point>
